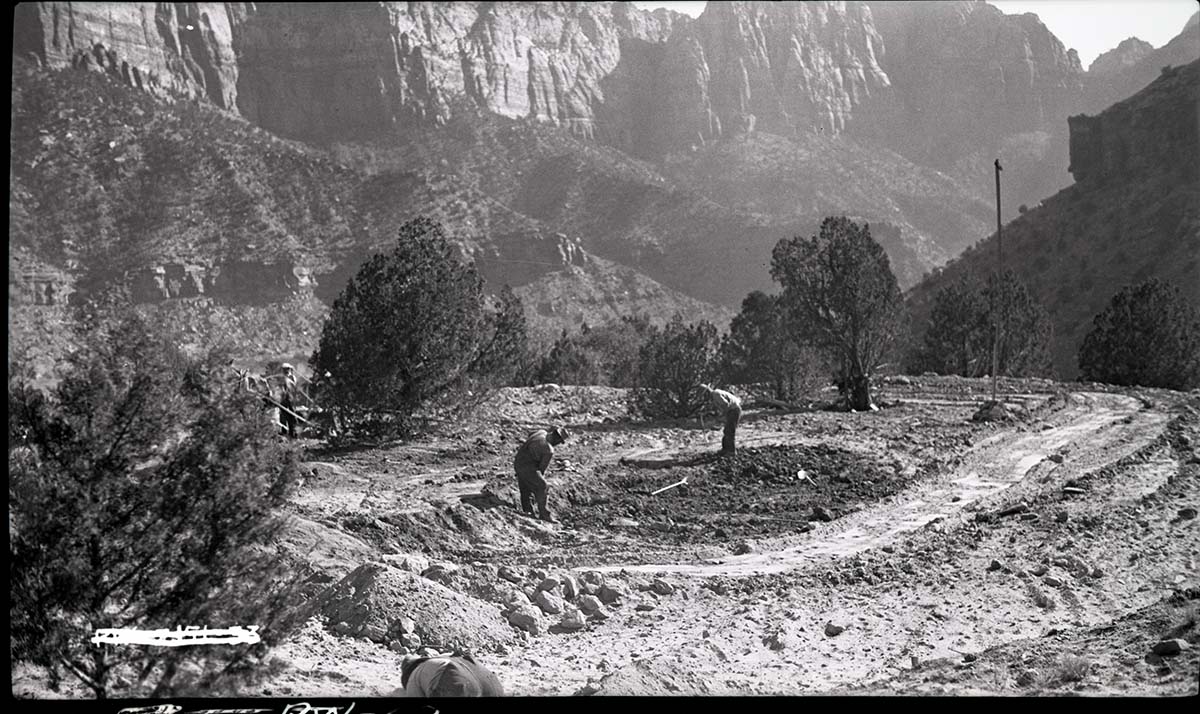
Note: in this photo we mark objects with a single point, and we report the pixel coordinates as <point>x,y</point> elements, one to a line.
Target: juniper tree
<point>839,291</point>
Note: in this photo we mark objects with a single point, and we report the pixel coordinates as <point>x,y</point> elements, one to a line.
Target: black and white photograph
<point>372,351</point>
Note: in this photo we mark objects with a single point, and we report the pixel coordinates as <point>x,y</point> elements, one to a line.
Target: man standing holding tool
<point>730,408</point>
<point>531,462</point>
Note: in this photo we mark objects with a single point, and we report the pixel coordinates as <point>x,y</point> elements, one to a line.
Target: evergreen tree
<point>1149,335</point>
<point>839,292</point>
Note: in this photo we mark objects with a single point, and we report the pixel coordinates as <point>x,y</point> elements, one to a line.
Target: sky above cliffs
<point>1090,26</point>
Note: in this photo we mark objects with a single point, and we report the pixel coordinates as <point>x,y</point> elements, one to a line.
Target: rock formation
<point>1125,55</point>
<point>968,76</point>
<point>654,81</point>
<point>1127,71</point>
<point>1124,141</point>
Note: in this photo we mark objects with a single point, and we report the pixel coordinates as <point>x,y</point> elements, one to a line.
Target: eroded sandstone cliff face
<point>967,75</point>
<point>173,50</point>
<point>645,82</point>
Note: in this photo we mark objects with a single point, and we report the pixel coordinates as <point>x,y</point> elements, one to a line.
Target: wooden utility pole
<point>996,286</point>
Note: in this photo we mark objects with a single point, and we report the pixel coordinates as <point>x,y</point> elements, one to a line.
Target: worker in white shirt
<point>730,407</point>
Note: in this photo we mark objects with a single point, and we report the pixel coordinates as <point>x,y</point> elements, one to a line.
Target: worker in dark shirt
<point>531,462</point>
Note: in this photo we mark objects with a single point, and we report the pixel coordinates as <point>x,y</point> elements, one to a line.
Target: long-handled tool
<point>682,482</point>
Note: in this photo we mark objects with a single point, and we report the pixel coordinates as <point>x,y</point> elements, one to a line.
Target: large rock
<point>613,592</point>
<point>572,619</point>
<point>527,618</point>
<point>590,604</point>
<point>570,587</point>
<point>376,601</point>
<point>509,574</point>
<point>550,603</point>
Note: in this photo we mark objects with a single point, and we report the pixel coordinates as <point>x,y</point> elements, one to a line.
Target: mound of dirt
<point>388,605</point>
<point>646,678</point>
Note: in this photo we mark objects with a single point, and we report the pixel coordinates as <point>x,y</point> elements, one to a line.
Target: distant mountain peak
<point>1131,51</point>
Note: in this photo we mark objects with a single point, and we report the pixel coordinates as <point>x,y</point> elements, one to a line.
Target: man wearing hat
<point>531,462</point>
<point>729,407</point>
<point>288,399</point>
<point>456,675</point>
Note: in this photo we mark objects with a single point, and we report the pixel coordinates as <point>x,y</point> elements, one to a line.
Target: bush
<point>1149,335</point>
<point>672,365</point>
<point>760,350</point>
<point>959,337</point>
<point>143,493</point>
<point>413,329</point>
<point>605,355</point>
<point>839,292</point>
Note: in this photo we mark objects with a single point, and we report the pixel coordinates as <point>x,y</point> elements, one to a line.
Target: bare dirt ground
<point>736,584</point>
<point>908,550</point>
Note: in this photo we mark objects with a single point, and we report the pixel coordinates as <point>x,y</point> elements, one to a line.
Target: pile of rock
<point>410,614</point>
<point>537,602</point>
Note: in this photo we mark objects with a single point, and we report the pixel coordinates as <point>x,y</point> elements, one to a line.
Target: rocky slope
<point>1113,83</point>
<point>1131,215</point>
<point>1123,56</point>
<point>221,224</point>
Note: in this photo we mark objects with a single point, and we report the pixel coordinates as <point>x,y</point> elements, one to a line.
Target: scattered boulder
<point>820,513</point>
<point>662,587</point>
<point>570,587</point>
<point>645,606</point>
<point>507,573</point>
<point>550,582</point>
<point>1052,581</point>
<point>572,619</point>
<point>593,577</point>
<point>832,630</point>
<point>1186,513</point>
<point>1169,648</point>
<point>440,573</point>
<point>1061,516</point>
<point>743,548</point>
<point>1039,570</point>
<point>411,641</point>
<point>1056,458</point>
<point>538,575</point>
<point>613,592</point>
<point>624,523</point>
<point>550,603</point>
<point>590,604</point>
<point>403,625</point>
<point>526,617</point>
<point>995,565</point>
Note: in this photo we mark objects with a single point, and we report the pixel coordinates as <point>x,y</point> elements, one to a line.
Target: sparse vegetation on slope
<point>1082,244</point>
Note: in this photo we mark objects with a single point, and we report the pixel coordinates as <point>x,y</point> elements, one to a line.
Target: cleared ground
<point>907,550</point>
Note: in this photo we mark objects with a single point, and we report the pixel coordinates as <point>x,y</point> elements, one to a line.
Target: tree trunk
<point>860,393</point>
